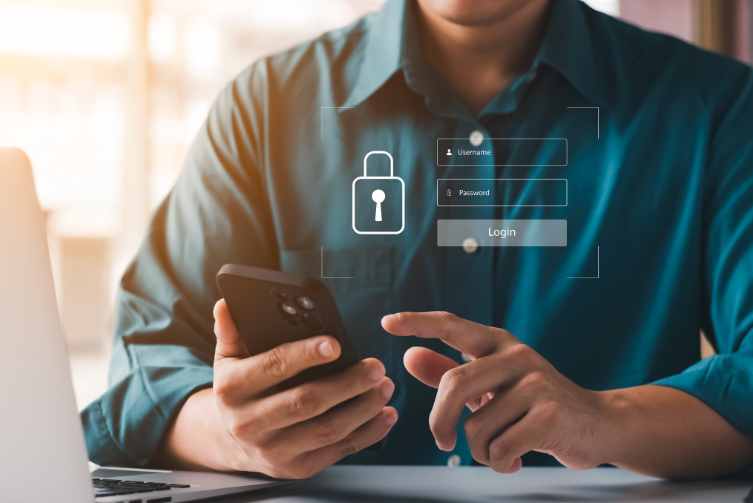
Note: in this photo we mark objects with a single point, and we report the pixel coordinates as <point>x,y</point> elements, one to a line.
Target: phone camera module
<point>312,322</point>
<point>306,303</point>
<point>288,308</point>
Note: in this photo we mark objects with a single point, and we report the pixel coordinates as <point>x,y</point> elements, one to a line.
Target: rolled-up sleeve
<point>217,213</point>
<point>725,381</point>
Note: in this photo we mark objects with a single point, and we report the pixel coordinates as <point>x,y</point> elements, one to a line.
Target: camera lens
<point>288,308</point>
<point>312,322</point>
<point>306,303</point>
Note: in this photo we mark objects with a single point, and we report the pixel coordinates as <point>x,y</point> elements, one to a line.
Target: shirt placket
<point>469,267</point>
<point>469,285</point>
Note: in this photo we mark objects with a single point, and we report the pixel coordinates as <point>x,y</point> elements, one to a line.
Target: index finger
<point>242,379</point>
<point>466,336</point>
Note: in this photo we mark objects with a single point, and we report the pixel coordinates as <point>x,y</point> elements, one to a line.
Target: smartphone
<point>270,308</point>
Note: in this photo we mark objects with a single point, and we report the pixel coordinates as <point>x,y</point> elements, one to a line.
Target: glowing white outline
<point>391,177</point>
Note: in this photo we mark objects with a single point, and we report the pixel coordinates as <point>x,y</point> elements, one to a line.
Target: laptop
<point>42,451</point>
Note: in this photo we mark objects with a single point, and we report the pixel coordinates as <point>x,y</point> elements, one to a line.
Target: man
<point>604,364</point>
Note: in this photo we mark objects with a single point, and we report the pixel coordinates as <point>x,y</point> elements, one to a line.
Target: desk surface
<point>419,484</point>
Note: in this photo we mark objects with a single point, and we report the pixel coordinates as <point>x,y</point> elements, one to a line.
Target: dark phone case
<point>250,296</point>
<point>249,291</point>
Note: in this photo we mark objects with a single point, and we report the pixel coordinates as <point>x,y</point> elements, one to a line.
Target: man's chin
<point>473,12</point>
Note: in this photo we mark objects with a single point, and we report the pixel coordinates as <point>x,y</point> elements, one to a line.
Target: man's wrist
<point>194,441</point>
<point>615,425</point>
<point>630,423</point>
<point>222,445</point>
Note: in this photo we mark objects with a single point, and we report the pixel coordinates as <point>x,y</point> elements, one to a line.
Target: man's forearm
<point>664,432</point>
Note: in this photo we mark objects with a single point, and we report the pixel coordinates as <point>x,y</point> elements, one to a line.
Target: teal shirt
<point>659,211</point>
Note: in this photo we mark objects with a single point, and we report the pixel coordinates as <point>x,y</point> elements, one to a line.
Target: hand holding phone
<point>294,429</point>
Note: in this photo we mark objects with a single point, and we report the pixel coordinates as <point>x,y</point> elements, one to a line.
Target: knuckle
<point>304,402</point>
<point>521,352</point>
<point>498,450</point>
<point>446,316</point>
<point>266,451</point>
<point>353,386</point>
<point>329,432</point>
<point>533,380</point>
<point>237,428</point>
<point>471,426</point>
<point>452,380</point>
<point>349,446</point>
<point>434,425</point>
<point>274,363</point>
<point>222,390</point>
<point>308,352</point>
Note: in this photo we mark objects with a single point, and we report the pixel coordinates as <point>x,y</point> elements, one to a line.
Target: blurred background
<point>105,96</point>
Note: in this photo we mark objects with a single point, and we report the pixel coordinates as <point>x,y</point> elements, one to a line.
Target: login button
<point>502,232</point>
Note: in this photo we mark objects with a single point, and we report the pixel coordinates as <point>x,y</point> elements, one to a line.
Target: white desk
<point>413,484</point>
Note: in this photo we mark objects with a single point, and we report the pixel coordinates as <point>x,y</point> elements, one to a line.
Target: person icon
<point>449,152</point>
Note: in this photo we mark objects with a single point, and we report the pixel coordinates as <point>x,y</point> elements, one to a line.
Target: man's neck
<point>480,59</point>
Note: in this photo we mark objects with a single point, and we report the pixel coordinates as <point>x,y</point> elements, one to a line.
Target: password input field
<point>508,192</point>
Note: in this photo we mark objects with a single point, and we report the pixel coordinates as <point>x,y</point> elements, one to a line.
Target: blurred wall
<point>674,17</point>
<point>722,26</point>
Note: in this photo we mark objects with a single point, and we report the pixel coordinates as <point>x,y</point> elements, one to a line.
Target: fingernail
<point>326,349</point>
<point>390,419</point>
<point>387,389</point>
<point>441,446</point>
<point>390,317</point>
<point>376,372</point>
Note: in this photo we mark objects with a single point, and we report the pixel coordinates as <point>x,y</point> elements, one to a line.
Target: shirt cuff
<point>125,426</point>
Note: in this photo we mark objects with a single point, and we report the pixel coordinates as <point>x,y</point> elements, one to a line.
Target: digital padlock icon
<point>378,201</point>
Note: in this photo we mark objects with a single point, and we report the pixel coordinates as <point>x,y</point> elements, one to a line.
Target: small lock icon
<point>378,201</point>
<point>449,192</point>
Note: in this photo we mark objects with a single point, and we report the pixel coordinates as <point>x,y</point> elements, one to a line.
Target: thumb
<point>427,366</point>
<point>229,342</point>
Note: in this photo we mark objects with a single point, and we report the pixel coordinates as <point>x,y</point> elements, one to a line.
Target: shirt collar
<point>567,47</point>
<point>383,52</point>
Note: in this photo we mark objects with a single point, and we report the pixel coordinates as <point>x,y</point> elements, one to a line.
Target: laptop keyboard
<point>116,487</point>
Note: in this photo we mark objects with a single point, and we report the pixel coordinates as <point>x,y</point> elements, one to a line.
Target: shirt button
<point>453,461</point>
<point>470,245</point>
<point>465,357</point>
<point>477,138</point>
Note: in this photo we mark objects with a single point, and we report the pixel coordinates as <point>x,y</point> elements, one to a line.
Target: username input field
<point>509,192</point>
<point>502,152</point>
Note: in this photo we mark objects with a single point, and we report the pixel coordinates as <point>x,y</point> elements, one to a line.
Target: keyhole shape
<point>378,197</point>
